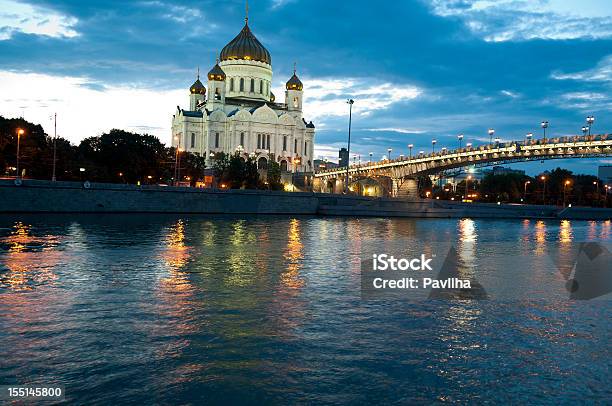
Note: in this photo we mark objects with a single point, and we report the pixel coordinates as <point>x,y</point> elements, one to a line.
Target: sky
<point>417,70</point>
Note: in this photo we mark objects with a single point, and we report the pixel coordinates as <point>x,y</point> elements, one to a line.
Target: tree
<point>274,176</point>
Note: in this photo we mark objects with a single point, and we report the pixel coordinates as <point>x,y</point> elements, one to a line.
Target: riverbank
<point>38,196</point>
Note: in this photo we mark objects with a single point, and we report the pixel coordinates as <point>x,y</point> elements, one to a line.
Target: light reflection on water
<point>197,309</point>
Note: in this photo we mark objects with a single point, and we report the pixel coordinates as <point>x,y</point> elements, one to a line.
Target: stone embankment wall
<point>34,196</point>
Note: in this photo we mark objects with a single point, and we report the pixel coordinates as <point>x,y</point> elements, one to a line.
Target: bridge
<point>403,172</point>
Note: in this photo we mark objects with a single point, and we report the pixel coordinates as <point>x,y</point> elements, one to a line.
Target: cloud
<point>21,17</point>
<point>600,73</point>
<point>83,111</point>
<point>516,20</point>
<point>325,98</point>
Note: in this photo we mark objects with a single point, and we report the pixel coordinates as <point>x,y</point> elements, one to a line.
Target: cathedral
<point>238,113</point>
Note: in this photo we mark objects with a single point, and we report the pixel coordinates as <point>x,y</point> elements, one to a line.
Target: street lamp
<point>525,191</point>
<point>543,178</point>
<point>350,102</point>
<point>467,182</point>
<point>491,132</point>
<point>497,142</point>
<point>460,138</point>
<point>20,132</point>
<point>468,145</point>
<point>410,146</point>
<point>596,183</point>
<point>433,146</point>
<point>544,125</point>
<point>590,120</point>
<point>608,187</point>
<point>565,185</point>
<point>371,153</point>
<point>389,153</point>
<point>444,149</point>
<point>528,137</point>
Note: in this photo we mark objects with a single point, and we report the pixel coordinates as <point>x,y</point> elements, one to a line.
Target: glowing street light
<point>350,102</point>
<point>590,120</point>
<point>468,145</point>
<point>467,182</point>
<point>20,132</point>
<point>460,138</point>
<point>433,145</point>
<point>389,152</point>
<point>497,142</point>
<point>544,125</point>
<point>410,146</point>
<point>525,191</point>
<point>491,132</point>
<point>565,185</point>
<point>585,129</point>
<point>543,178</point>
<point>528,137</point>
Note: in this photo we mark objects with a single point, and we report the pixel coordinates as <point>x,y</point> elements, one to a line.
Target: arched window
<point>258,141</point>
<point>242,139</point>
<point>285,143</point>
<point>242,84</point>
<point>267,88</point>
<point>217,94</point>
<point>192,140</point>
<point>305,147</point>
<point>231,84</point>
<point>295,146</point>
<point>252,85</point>
<point>216,140</point>
<point>261,87</point>
<point>296,103</point>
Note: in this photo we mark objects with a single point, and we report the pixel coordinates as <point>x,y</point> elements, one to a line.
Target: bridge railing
<point>466,152</point>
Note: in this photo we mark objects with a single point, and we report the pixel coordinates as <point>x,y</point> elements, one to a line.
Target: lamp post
<point>528,137</point>
<point>585,129</point>
<point>54,146</point>
<point>389,153</point>
<point>371,153</point>
<point>497,142</point>
<point>491,132</point>
<point>350,103</point>
<point>467,182</point>
<point>176,157</point>
<point>565,185</point>
<point>410,146</point>
<point>433,146</point>
<point>468,145</point>
<point>543,178</point>
<point>444,149</point>
<point>608,187</point>
<point>460,138</point>
<point>525,190</point>
<point>596,183</point>
<point>544,125</point>
<point>590,120</point>
<point>20,132</point>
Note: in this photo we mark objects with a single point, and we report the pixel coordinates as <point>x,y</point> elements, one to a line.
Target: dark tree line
<point>116,156</point>
<point>555,187</point>
<point>237,172</point>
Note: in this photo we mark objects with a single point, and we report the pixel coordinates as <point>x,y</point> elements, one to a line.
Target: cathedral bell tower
<point>197,94</point>
<point>216,87</point>
<point>294,93</point>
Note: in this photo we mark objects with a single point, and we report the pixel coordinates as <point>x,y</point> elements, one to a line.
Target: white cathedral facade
<point>237,111</point>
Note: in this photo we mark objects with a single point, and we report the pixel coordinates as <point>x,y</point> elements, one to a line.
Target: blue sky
<point>417,69</point>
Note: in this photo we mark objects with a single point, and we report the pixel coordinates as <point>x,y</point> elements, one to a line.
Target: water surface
<point>200,309</point>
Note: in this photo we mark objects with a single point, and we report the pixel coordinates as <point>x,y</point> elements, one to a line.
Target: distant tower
<point>294,93</point>
<point>197,93</point>
<point>216,87</point>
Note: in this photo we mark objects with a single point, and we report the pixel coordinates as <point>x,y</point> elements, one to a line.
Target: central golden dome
<point>246,47</point>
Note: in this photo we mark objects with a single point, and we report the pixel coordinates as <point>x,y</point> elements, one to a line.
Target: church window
<point>217,94</point>
<point>216,140</point>
<point>295,102</point>
<point>268,141</point>
<point>295,147</point>
<point>261,87</point>
<point>231,84</point>
<point>267,88</point>
<point>258,141</point>
<point>252,85</point>
<point>305,147</point>
<point>242,84</point>
<point>285,143</point>
<point>242,139</point>
<point>192,140</point>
